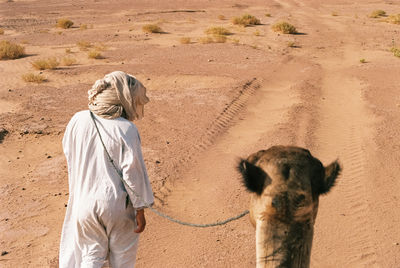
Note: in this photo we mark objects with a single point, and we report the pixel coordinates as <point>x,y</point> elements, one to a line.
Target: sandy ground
<point>210,104</point>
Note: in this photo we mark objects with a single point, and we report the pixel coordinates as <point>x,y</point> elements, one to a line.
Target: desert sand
<point>210,104</point>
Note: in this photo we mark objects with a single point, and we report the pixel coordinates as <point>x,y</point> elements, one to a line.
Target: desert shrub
<point>9,50</point>
<point>267,15</point>
<point>220,38</point>
<point>84,45</point>
<point>100,47</point>
<point>35,78</point>
<point>291,44</point>
<point>395,19</point>
<point>64,23</point>
<point>1,31</point>
<point>363,60</point>
<point>217,31</point>
<point>377,13</point>
<point>284,27</point>
<point>185,40</point>
<point>151,28</point>
<point>235,41</point>
<point>68,61</point>
<point>43,64</point>
<point>221,17</point>
<point>257,33</point>
<point>396,51</point>
<point>94,54</point>
<point>83,27</point>
<point>206,40</point>
<point>246,20</point>
<point>68,50</point>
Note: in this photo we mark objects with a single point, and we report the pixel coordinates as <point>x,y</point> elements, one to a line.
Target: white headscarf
<point>115,93</point>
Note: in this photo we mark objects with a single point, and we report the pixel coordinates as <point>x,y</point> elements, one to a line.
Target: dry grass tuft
<point>84,45</point>
<point>246,20</point>
<point>152,28</point>
<point>214,39</point>
<point>221,17</point>
<point>217,31</point>
<point>68,61</point>
<point>100,47</point>
<point>395,19</point>
<point>94,54</point>
<point>377,13</point>
<point>291,44</point>
<point>64,23</point>
<point>1,31</point>
<point>257,33</point>
<point>396,51</point>
<point>235,41</point>
<point>220,38</point>
<point>363,60</point>
<point>284,27</point>
<point>68,50</point>
<point>33,78</point>
<point>185,40</point>
<point>83,27</point>
<point>206,40</point>
<point>43,64</point>
<point>10,51</point>
<point>267,14</point>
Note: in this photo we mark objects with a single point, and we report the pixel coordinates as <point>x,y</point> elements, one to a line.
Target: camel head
<point>285,183</point>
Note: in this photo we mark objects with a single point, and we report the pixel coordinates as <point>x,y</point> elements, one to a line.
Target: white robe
<point>97,222</point>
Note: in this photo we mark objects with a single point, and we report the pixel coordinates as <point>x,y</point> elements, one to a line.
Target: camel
<point>285,184</point>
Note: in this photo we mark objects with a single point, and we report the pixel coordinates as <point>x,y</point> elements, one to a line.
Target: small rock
<point>65,205</point>
<point>397,243</point>
<point>49,156</point>
<point>59,193</point>
<point>148,78</point>
<point>41,119</point>
<point>6,219</point>
<point>158,162</point>
<point>17,157</point>
<point>167,142</point>
<point>4,253</point>
<point>23,189</point>
<point>209,60</point>
<point>10,90</point>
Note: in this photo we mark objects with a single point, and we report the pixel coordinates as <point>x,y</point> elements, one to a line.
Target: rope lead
<point>155,210</point>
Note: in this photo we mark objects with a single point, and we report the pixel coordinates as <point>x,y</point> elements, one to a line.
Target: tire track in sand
<point>210,190</point>
<point>344,241</point>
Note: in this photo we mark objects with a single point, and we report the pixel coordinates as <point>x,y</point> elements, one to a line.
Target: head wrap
<point>116,93</point>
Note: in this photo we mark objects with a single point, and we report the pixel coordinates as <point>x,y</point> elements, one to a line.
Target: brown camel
<point>286,183</point>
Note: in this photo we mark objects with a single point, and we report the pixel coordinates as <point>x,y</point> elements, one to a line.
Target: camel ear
<point>254,178</point>
<point>332,171</point>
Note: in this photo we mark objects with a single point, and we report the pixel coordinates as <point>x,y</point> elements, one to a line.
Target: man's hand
<point>140,221</point>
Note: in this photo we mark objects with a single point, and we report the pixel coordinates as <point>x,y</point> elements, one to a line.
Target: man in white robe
<point>104,217</point>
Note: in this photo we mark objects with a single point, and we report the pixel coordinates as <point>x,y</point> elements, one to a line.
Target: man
<point>108,183</point>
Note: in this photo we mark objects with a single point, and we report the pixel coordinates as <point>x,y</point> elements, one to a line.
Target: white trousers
<point>104,230</point>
